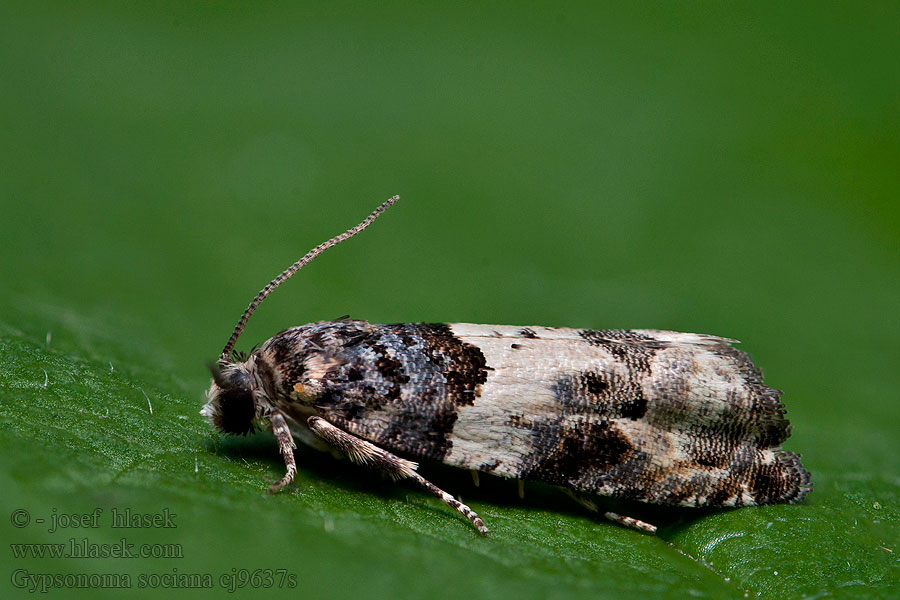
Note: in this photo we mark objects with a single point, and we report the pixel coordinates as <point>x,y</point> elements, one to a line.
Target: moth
<point>666,418</point>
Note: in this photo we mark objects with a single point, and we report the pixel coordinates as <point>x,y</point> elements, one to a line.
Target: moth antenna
<point>285,275</point>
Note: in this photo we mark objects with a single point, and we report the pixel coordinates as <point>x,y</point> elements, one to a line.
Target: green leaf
<point>79,435</point>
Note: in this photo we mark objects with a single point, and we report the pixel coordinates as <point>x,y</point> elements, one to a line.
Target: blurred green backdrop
<point>702,167</point>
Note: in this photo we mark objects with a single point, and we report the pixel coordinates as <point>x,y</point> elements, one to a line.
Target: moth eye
<point>236,412</point>
<point>239,379</point>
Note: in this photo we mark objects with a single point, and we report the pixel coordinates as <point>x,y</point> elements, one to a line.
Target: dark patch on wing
<point>464,366</point>
<point>527,332</point>
<point>388,367</point>
<point>489,466</point>
<point>594,384</point>
<point>401,387</point>
<point>635,409</point>
<point>569,453</point>
<point>520,422</point>
<point>798,477</point>
<point>785,480</point>
<point>719,496</point>
<point>712,450</point>
<point>766,484</point>
<point>605,394</point>
<point>630,347</point>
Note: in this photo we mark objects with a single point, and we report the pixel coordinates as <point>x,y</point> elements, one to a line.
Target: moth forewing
<point>657,416</point>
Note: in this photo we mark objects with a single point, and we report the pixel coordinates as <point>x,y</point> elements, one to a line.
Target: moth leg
<point>369,455</point>
<point>286,445</point>
<point>631,522</point>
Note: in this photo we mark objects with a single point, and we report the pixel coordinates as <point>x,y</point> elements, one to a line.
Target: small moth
<point>678,419</point>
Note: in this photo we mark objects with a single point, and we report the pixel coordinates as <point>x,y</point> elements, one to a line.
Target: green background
<point>700,167</point>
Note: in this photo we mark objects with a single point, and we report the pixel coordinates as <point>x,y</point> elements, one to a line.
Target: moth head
<point>231,402</point>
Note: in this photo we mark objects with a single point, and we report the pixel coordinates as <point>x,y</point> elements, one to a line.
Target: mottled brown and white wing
<point>658,416</point>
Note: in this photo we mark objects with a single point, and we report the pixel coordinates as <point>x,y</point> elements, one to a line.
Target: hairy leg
<point>369,455</point>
